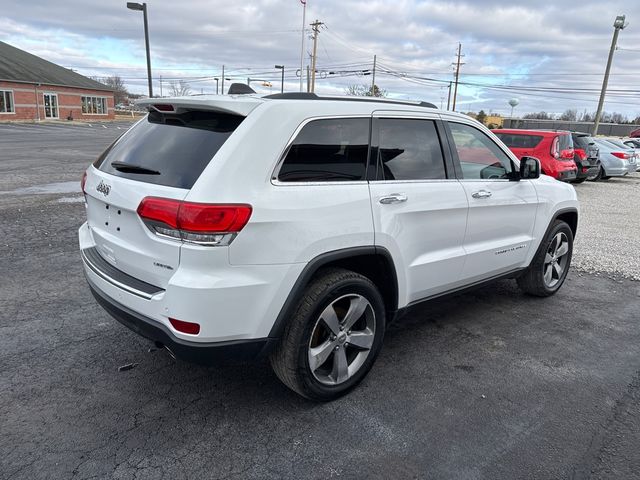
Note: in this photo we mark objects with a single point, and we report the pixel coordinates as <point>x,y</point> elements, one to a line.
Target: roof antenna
<point>240,89</point>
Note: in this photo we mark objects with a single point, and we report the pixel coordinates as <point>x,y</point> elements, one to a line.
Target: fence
<point>608,129</point>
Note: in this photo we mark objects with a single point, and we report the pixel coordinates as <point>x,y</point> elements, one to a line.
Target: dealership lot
<point>488,384</point>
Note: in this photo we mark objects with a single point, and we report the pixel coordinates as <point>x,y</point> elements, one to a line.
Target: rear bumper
<point>195,352</point>
<point>587,168</point>
<point>566,175</point>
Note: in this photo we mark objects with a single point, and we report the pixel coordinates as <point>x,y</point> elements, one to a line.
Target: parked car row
<point>574,156</point>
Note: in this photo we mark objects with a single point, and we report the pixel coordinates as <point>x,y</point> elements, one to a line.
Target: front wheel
<point>334,336</point>
<point>550,266</point>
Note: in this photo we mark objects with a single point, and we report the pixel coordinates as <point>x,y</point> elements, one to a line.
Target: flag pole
<point>304,12</point>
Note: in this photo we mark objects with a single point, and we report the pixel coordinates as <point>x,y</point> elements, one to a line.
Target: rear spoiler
<point>231,104</point>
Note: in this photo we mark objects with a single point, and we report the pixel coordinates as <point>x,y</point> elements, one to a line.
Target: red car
<point>554,149</point>
<point>635,133</point>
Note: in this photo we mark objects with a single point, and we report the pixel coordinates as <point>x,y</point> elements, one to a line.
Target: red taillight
<point>199,217</point>
<point>185,327</point>
<point>164,210</point>
<point>567,154</point>
<point>622,155</point>
<point>581,153</point>
<point>83,182</point>
<point>204,223</point>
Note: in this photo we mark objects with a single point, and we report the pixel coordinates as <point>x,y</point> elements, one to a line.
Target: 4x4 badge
<point>103,188</point>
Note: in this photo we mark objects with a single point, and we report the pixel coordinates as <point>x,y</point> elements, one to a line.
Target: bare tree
<point>365,91</point>
<point>119,89</point>
<point>179,89</point>
<point>570,115</point>
<point>538,116</point>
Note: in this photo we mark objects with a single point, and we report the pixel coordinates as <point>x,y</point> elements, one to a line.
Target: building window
<point>50,105</point>
<point>94,105</point>
<point>6,102</point>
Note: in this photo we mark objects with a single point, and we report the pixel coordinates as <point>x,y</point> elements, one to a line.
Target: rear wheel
<point>597,176</point>
<point>333,338</point>
<point>579,180</point>
<point>550,266</point>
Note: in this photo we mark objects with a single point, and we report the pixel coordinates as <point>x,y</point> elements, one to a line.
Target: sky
<point>549,55</point>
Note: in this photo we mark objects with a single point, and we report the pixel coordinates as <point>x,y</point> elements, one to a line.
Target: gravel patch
<point>608,240</point>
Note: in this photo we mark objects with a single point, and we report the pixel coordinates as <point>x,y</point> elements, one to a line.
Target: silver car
<point>615,161</point>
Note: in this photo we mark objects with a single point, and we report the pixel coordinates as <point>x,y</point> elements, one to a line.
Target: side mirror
<point>529,168</point>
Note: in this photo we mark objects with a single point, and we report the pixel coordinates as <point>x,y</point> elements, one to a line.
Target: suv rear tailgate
<point>120,236</point>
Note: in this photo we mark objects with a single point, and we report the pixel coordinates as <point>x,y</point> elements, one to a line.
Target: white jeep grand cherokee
<point>297,227</point>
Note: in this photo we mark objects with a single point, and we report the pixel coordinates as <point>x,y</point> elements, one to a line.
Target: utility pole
<point>458,64</point>
<point>618,25</point>
<point>222,80</point>
<point>449,97</point>
<point>373,78</point>
<point>308,80</point>
<point>316,28</point>
<point>216,79</point>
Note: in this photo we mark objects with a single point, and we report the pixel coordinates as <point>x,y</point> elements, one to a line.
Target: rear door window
<point>410,149</point>
<point>328,150</point>
<point>169,149</point>
<point>516,140</point>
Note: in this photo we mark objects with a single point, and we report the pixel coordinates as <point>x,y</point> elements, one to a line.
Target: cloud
<point>520,43</point>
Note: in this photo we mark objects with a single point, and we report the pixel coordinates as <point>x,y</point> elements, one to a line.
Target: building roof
<point>19,66</point>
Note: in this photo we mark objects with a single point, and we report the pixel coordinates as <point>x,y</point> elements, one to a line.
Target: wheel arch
<point>569,216</point>
<point>374,262</point>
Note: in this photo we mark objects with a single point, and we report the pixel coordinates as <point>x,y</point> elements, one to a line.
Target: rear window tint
<point>582,141</point>
<point>177,146</point>
<point>328,150</point>
<point>516,140</point>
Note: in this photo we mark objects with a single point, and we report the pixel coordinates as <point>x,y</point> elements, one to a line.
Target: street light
<point>618,24</point>
<point>142,7</point>
<point>281,67</point>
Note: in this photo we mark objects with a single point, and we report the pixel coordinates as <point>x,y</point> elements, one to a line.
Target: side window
<point>480,157</point>
<point>328,151</point>
<point>409,149</point>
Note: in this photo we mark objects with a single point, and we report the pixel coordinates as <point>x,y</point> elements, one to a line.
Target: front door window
<point>50,105</point>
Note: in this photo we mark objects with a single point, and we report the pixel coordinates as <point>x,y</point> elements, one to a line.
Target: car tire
<point>334,336</point>
<point>548,269</point>
<point>597,176</point>
<point>579,180</point>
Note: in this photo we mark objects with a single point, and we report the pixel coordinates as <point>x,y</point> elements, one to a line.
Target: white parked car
<point>297,227</point>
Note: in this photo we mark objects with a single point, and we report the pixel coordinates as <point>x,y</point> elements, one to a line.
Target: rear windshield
<point>582,141</point>
<point>169,149</point>
<point>518,140</point>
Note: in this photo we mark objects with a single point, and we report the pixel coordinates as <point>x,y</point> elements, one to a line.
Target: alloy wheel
<point>556,260</point>
<point>341,339</point>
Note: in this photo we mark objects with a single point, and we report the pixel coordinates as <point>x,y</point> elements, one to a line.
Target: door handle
<point>481,194</point>
<point>393,198</point>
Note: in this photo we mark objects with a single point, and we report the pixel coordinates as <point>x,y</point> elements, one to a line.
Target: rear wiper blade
<point>130,168</point>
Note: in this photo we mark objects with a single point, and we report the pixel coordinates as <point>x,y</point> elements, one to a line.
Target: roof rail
<point>313,96</point>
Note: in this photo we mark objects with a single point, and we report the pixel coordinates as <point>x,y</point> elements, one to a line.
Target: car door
<point>502,212</point>
<point>419,208</point>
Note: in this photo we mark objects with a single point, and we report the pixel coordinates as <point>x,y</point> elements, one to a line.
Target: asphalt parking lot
<point>485,385</point>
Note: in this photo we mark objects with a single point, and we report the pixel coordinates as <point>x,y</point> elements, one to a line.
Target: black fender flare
<point>316,264</point>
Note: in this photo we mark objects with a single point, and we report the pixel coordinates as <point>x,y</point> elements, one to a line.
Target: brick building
<point>32,88</point>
